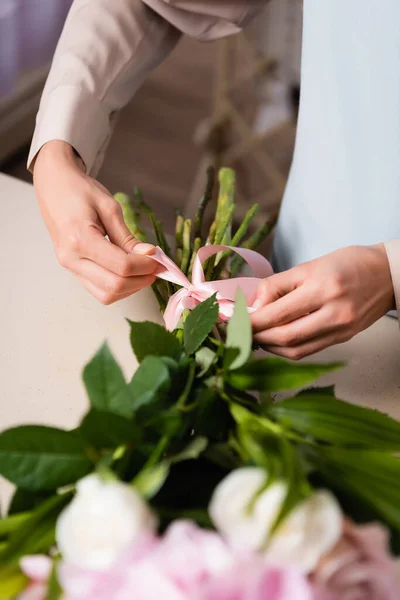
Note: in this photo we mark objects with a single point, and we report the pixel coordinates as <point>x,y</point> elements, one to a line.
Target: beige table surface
<point>50,326</point>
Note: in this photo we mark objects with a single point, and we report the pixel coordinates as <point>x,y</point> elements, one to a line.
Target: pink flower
<point>38,569</point>
<point>188,563</point>
<point>110,584</point>
<point>171,567</point>
<point>189,555</point>
<point>359,567</point>
<point>258,581</point>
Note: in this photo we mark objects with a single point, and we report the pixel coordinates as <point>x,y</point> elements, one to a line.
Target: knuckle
<point>128,242</point>
<point>265,284</point>
<point>289,338</point>
<point>265,290</point>
<point>347,335</point>
<point>106,298</point>
<point>316,288</point>
<point>114,286</point>
<point>74,242</point>
<point>331,315</point>
<point>295,353</point>
<point>348,315</point>
<point>124,268</point>
<point>336,286</point>
<point>113,209</point>
<point>63,257</point>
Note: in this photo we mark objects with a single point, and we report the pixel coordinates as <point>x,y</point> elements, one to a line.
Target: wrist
<point>380,251</point>
<point>57,153</point>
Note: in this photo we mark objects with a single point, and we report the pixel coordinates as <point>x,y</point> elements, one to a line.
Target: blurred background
<point>231,103</point>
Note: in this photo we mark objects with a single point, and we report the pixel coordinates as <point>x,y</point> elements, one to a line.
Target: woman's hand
<point>79,213</point>
<point>323,302</point>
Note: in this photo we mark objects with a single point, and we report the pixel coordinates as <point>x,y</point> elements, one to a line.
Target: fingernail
<point>257,304</point>
<point>260,297</point>
<point>143,248</point>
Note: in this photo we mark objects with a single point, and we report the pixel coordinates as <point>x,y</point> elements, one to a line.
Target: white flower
<point>310,531</point>
<point>244,515</point>
<point>244,518</point>
<point>103,519</point>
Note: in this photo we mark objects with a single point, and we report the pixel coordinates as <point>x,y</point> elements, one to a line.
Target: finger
<point>279,285</point>
<point>296,304</point>
<point>112,284</point>
<point>98,293</point>
<point>311,347</point>
<point>104,253</point>
<point>113,221</point>
<point>296,332</point>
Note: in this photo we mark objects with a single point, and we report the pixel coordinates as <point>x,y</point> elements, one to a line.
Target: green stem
<point>158,452</point>
<point>236,240</point>
<point>211,234</point>
<point>242,230</point>
<point>9,524</point>
<point>161,240</point>
<point>188,386</point>
<point>224,203</point>
<point>187,245</point>
<point>178,238</point>
<point>196,248</point>
<point>160,299</point>
<point>205,200</point>
<point>130,215</point>
<point>225,224</point>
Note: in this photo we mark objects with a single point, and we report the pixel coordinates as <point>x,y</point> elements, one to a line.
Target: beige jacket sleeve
<point>105,52</point>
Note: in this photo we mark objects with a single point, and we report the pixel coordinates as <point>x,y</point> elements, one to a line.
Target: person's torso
<point>344,186</point>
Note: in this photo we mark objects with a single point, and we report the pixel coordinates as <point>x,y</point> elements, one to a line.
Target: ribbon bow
<point>196,291</point>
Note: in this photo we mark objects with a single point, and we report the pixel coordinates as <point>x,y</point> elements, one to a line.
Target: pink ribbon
<point>196,291</point>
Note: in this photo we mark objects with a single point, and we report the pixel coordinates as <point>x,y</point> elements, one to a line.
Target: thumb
<point>283,298</point>
<point>119,233</point>
<point>274,287</point>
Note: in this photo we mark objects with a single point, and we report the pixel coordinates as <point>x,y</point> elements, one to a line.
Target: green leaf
<point>151,378</point>
<point>276,374</point>
<point>199,324</point>
<point>337,422</point>
<point>258,438</point>
<point>105,384</point>
<point>105,430</point>
<point>42,458</point>
<point>373,478</point>
<point>239,335</point>
<point>205,357</point>
<point>150,339</point>
<point>267,446</point>
<point>37,534</point>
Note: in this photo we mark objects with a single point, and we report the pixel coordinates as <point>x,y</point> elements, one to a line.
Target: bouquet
<point>191,481</point>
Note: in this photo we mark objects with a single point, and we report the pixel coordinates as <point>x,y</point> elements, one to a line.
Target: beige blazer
<point>104,54</point>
